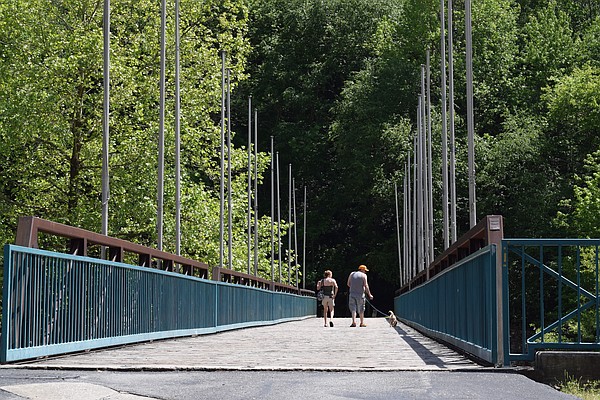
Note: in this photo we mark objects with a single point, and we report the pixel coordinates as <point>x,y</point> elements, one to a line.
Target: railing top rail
<point>228,275</point>
<point>218,274</point>
<point>551,242</point>
<point>480,232</point>
<point>29,228</point>
<point>16,249</point>
<point>489,230</point>
<point>284,287</point>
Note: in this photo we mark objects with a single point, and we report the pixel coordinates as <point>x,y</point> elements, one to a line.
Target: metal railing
<point>56,303</point>
<point>458,305</point>
<point>240,278</point>
<point>550,296</point>
<point>80,240</point>
<point>450,299</point>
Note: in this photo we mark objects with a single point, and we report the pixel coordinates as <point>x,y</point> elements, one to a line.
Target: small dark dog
<point>392,319</point>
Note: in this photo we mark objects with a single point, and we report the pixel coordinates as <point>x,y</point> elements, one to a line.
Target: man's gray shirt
<point>357,280</point>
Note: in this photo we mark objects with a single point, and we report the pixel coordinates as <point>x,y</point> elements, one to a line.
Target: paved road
<point>271,385</point>
<point>295,360</point>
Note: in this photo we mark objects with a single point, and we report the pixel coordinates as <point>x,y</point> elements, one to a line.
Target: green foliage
<point>548,50</point>
<point>583,390</point>
<point>582,217</point>
<point>514,181</point>
<point>554,112</point>
<point>370,139</point>
<point>305,53</point>
<point>51,118</point>
<point>590,44</point>
<point>574,109</point>
<point>341,108</point>
<point>495,57</point>
<point>582,13</point>
<point>574,118</point>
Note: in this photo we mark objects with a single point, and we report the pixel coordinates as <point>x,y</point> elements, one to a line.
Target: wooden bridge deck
<point>299,345</point>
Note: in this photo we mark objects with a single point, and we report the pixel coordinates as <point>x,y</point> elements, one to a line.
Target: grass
<point>586,391</point>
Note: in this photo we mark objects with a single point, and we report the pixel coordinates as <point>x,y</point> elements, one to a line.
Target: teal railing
<point>55,303</point>
<point>551,295</point>
<point>458,305</point>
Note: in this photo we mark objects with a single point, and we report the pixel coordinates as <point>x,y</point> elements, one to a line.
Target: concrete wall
<point>552,366</point>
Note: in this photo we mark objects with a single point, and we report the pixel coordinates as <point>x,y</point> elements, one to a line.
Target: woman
<point>330,289</point>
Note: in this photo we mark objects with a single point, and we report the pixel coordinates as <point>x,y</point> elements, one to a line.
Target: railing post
<point>216,274</point>
<point>6,322</point>
<point>26,232</point>
<point>216,307</point>
<point>505,321</point>
<point>495,232</point>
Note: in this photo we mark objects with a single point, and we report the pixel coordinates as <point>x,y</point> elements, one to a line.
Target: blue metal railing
<point>551,291</point>
<point>55,303</point>
<point>458,305</point>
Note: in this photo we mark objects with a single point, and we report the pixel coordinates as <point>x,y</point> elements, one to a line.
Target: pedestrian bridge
<point>303,345</point>
<point>498,300</point>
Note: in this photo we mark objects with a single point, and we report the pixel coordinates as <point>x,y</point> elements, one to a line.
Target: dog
<point>392,319</point>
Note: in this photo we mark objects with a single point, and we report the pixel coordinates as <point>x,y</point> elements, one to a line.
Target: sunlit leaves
<point>51,113</point>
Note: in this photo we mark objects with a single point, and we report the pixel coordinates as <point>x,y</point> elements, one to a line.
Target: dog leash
<point>375,308</point>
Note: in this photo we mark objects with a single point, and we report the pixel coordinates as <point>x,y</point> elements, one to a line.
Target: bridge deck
<point>298,345</point>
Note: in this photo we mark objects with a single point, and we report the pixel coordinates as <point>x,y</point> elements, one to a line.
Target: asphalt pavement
<point>269,385</point>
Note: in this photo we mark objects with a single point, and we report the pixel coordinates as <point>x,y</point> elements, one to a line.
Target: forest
<point>335,83</point>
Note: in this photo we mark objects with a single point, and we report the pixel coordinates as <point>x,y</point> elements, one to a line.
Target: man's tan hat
<point>363,268</point>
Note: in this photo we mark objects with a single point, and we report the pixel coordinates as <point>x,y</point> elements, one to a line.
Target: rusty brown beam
<point>29,228</point>
<point>489,230</point>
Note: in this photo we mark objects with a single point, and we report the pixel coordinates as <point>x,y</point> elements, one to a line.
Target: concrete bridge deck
<point>293,346</point>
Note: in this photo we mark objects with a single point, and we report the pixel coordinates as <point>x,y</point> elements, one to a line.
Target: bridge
<point>498,301</point>
<point>298,359</point>
<point>302,345</point>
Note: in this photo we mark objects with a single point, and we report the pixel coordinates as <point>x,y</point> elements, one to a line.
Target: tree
<point>547,53</point>
<point>304,52</point>
<point>510,164</point>
<point>51,114</point>
<point>583,216</point>
<point>50,85</point>
<point>590,44</point>
<point>495,56</point>
<point>574,119</point>
<point>371,136</point>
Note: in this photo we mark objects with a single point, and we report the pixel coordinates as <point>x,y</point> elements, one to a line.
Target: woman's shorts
<point>328,302</point>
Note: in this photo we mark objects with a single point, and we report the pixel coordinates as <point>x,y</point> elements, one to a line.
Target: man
<point>357,282</point>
